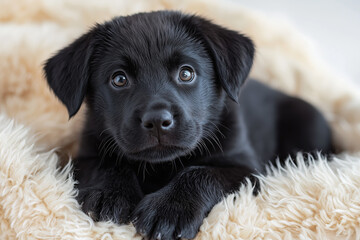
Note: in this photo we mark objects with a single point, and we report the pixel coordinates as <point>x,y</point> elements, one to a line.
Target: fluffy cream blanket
<point>320,200</point>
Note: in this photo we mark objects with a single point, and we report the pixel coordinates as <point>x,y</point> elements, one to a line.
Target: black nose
<point>157,121</point>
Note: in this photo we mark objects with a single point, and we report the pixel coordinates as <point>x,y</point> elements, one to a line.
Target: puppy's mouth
<point>158,153</point>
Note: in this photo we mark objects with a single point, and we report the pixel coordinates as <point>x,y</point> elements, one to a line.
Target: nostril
<point>166,123</point>
<point>148,125</point>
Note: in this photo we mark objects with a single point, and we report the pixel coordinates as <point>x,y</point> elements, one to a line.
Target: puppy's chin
<point>159,153</point>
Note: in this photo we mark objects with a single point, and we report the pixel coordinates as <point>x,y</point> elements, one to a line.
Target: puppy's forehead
<point>149,36</point>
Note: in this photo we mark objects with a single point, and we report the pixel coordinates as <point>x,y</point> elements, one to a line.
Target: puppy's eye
<point>119,79</point>
<point>186,74</point>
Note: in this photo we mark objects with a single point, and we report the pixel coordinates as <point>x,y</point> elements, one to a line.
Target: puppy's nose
<point>157,121</point>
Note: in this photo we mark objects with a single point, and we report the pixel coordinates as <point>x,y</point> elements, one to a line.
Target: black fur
<point>161,152</point>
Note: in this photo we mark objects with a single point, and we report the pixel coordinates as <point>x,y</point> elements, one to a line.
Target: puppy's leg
<point>107,193</point>
<point>178,209</point>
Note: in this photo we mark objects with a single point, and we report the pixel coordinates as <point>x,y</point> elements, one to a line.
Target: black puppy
<point>167,134</point>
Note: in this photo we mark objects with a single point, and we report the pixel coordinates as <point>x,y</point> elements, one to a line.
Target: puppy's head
<point>155,82</point>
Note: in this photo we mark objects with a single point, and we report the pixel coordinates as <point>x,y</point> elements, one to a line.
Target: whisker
<point>218,129</point>
<point>119,158</point>
<point>102,132</point>
<point>104,145</point>
<point>144,170</point>
<point>210,136</point>
<point>139,167</point>
<point>216,140</point>
<point>182,165</point>
<point>204,146</point>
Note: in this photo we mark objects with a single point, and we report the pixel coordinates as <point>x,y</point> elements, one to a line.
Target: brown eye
<point>186,74</point>
<point>119,79</point>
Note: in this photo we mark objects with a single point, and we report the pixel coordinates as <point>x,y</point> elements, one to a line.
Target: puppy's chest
<point>153,177</point>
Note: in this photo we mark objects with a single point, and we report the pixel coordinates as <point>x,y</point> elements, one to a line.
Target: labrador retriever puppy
<point>172,127</point>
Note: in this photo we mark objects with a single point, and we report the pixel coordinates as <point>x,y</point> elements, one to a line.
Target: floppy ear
<point>67,73</point>
<point>232,54</point>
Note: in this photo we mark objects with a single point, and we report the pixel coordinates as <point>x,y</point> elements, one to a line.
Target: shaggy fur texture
<point>319,201</point>
<point>316,201</point>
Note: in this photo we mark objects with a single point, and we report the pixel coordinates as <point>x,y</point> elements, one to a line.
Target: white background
<point>333,26</point>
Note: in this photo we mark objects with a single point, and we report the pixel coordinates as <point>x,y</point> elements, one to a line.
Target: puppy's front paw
<point>103,204</point>
<point>162,215</point>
